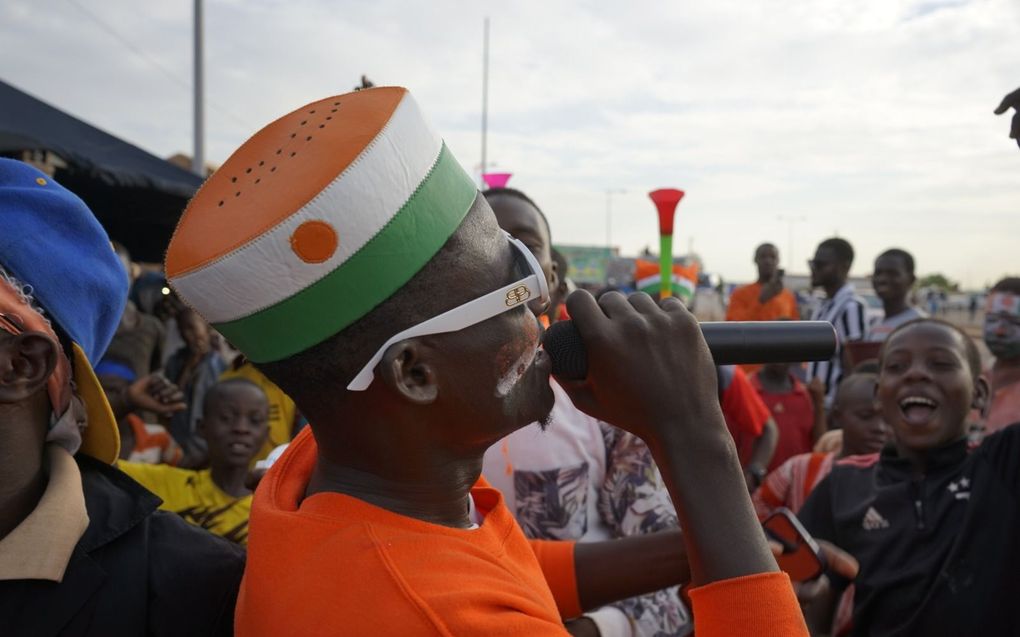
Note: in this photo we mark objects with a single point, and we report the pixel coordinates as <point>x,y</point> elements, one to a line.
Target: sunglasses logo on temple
<point>517,295</point>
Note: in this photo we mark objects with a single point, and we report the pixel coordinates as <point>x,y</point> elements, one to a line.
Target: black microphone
<point>731,343</point>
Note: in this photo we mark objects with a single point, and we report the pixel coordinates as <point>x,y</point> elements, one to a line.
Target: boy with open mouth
<point>933,526</point>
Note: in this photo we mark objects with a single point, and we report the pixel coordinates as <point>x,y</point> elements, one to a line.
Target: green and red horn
<point>666,200</point>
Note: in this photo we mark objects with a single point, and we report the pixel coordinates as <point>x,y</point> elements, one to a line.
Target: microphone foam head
<point>569,357</point>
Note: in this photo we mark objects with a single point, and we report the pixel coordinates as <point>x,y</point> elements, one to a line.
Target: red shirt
<point>794,414</point>
<point>744,411</point>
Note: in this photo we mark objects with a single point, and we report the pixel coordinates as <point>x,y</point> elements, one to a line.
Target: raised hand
<point>1012,101</point>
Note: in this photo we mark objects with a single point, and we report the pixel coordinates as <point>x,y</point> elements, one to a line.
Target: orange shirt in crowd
<point>744,305</point>
<point>330,564</point>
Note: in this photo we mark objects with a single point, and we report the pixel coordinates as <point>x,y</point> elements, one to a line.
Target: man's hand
<point>816,388</point>
<point>156,394</point>
<point>838,560</point>
<point>582,627</point>
<point>831,442</point>
<point>1012,101</point>
<point>650,372</point>
<point>649,369</point>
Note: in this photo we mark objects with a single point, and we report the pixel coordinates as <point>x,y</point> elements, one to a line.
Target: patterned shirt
<point>791,484</point>
<point>581,479</point>
<point>845,310</point>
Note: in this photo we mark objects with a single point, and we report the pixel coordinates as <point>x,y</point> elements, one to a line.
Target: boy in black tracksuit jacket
<point>936,529</point>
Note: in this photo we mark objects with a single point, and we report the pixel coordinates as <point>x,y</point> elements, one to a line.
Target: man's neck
<point>1005,372</point>
<point>774,383</point>
<point>894,307</point>
<point>834,288</point>
<point>230,480</point>
<point>22,471</point>
<point>437,496</point>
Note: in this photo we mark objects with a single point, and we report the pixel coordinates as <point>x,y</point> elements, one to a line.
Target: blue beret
<point>52,242</point>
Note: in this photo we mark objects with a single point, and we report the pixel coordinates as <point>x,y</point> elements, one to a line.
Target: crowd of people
<point>336,387</point>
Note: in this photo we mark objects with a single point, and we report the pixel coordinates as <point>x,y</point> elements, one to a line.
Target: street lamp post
<point>790,221</point>
<point>609,215</point>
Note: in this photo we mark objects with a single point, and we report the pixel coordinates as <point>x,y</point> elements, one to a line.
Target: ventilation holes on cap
<point>304,121</point>
<point>293,153</point>
<point>221,203</point>
<point>312,112</point>
<point>247,171</point>
<point>237,194</point>
<point>322,126</point>
<point>308,139</point>
<point>233,180</point>
<point>273,169</point>
<point>279,151</point>
<point>261,164</point>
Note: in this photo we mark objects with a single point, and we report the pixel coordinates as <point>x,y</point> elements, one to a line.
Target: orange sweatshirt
<point>331,564</point>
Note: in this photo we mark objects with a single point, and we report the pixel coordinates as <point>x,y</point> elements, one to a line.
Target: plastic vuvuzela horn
<point>666,200</point>
<point>496,180</point>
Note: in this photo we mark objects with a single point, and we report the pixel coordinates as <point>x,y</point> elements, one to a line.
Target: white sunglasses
<point>484,307</point>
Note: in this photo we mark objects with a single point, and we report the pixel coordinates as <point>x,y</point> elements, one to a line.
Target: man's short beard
<point>545,421</point>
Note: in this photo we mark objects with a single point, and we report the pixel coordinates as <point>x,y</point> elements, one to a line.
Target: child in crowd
<point>1002,336</point>
<point>855,414</point>
<point>284,419</point>
<point>234,425</point>
<point>893,279</point>
<point>798,410</point>
<point>194,368</point>
<point>932,524</point>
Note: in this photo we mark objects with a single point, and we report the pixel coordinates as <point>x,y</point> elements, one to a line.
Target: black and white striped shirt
<point>845,311</point>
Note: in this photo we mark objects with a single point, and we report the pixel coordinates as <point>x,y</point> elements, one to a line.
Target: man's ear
<point>26,362</point>
<point>981,393</point>
<point>405,369</point>
<point>555,276</point>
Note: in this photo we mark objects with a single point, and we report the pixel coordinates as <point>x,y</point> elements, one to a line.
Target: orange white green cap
<point>315,220</point>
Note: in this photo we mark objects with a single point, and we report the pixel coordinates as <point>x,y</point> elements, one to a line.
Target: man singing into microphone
<point>348,255</point>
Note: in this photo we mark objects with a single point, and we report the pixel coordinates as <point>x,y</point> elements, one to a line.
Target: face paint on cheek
<point>510,373</point>
<point>1002,332</point>
<point>1002,343</point>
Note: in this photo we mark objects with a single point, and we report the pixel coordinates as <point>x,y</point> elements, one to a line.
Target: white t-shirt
<point>881,329</point>
<point>584,480</point>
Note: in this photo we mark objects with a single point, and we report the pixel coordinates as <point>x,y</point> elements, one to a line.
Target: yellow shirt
<point>282,410</point>
<point>195,497</point>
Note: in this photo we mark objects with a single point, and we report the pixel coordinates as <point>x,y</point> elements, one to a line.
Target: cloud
<point>870,118</point>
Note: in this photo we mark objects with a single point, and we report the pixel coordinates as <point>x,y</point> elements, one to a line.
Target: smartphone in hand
<point>801,558</point>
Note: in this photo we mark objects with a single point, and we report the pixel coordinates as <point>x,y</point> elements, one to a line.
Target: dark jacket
<point>135,571</point>
<point>939,553</point>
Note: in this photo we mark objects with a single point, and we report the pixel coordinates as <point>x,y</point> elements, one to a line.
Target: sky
<point>787,122</point>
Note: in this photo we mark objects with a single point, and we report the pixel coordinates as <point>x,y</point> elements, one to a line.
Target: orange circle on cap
<point>314,241</point>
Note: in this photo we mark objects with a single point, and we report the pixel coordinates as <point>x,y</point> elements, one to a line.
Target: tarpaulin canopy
<point>137,196</point>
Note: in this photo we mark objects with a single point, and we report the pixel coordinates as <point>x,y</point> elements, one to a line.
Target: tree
<point>939,281</point>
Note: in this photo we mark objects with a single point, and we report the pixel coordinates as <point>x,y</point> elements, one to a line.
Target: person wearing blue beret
<point>83,548</point>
